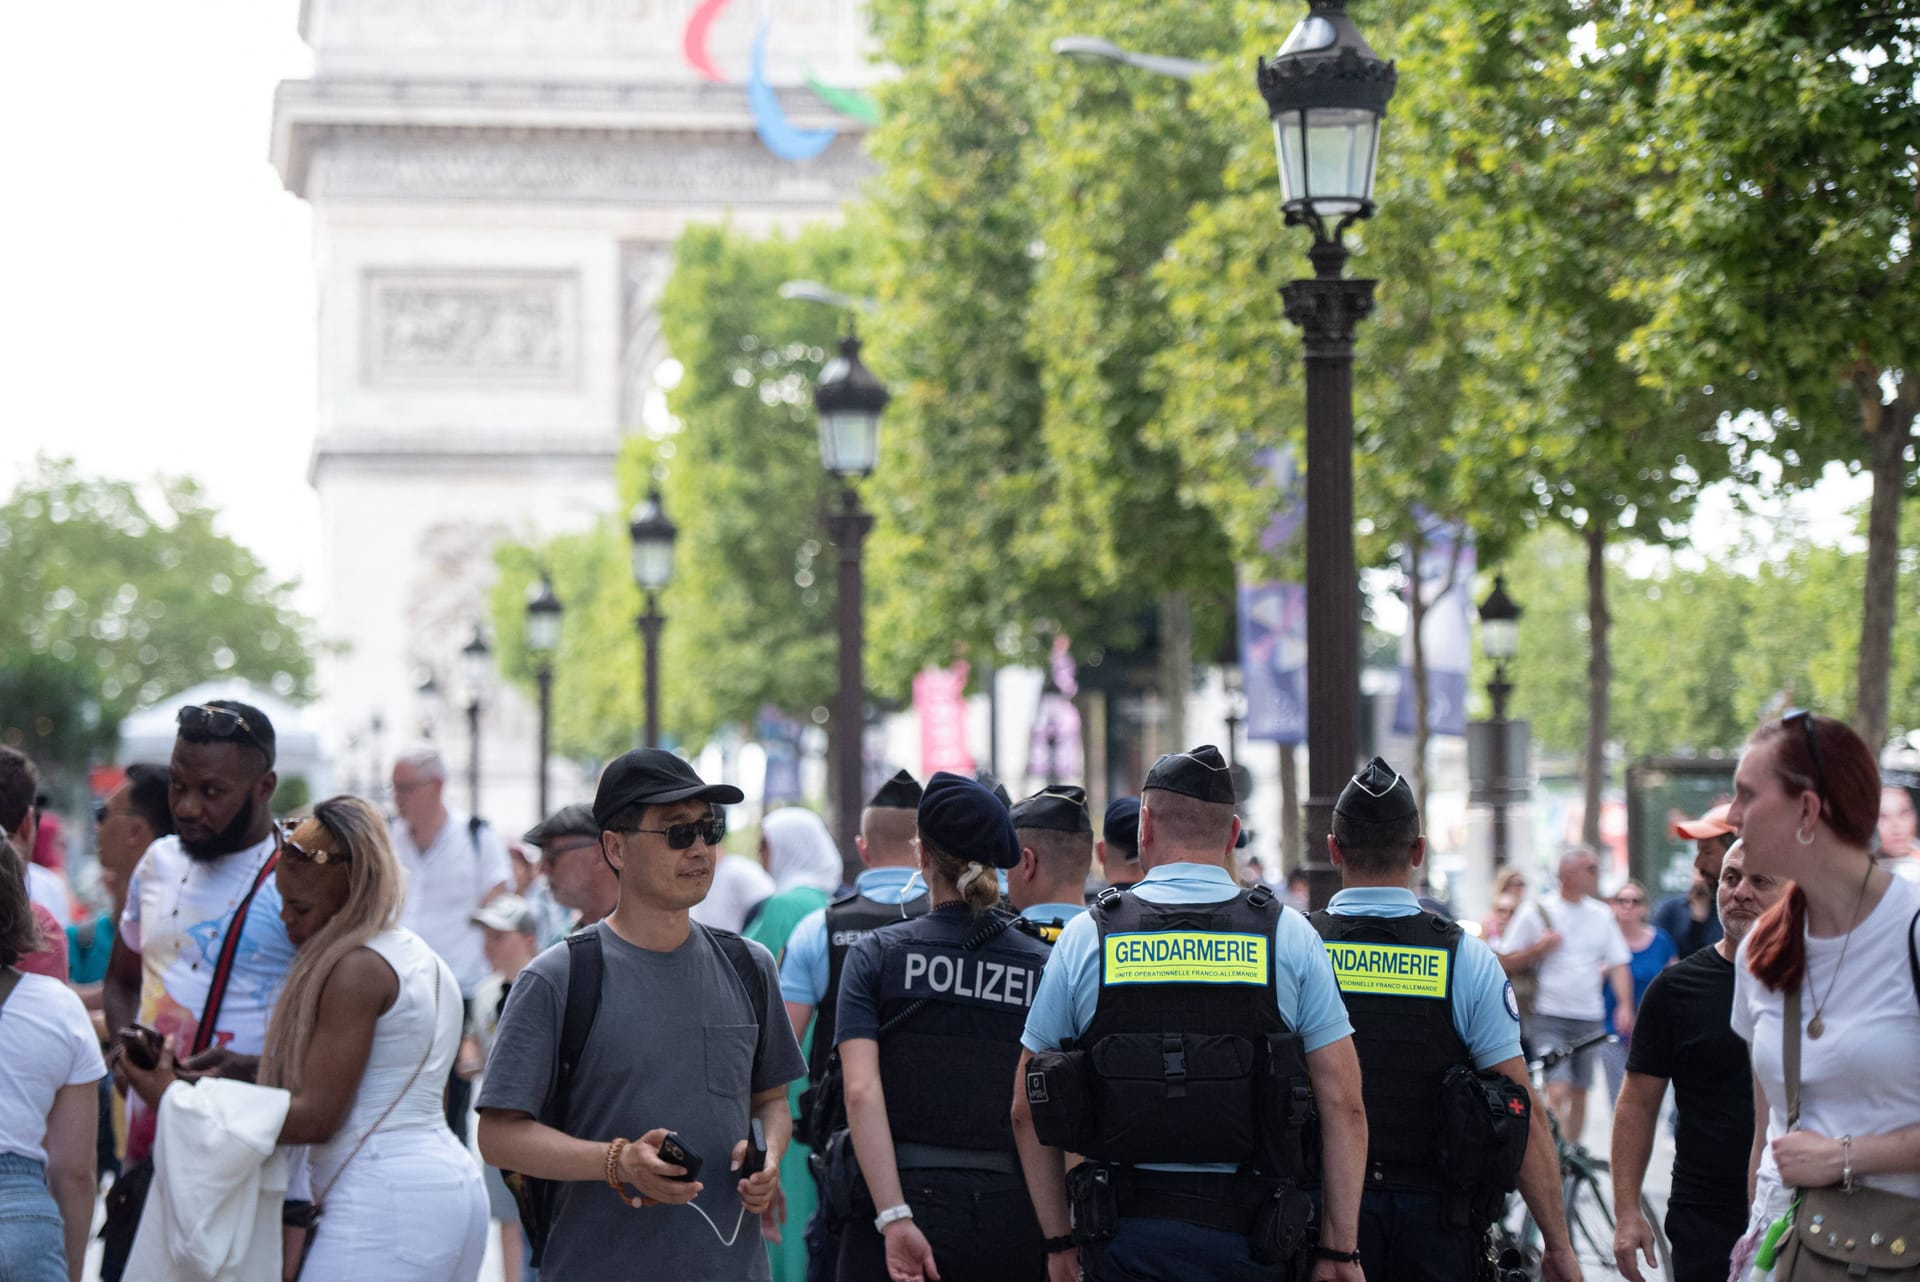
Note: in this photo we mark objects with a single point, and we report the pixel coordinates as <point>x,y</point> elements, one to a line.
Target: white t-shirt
<point>738,884</point>
<point>49,889</point>
<point>1860,1076</point>
<point>1572,974</point>
<point>446,884</point>
<point>50,1044</point>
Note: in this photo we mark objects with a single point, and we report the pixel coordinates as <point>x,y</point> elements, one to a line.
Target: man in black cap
<point>1119,844</point>
<point>1438,1035</point>
<point>664,1030</point>
<point>579,875</point>
<point>1178,1033</point>
<point>1048,886</point>
<point>816,954</point>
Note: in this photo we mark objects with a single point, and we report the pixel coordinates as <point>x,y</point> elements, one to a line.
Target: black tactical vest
<point>948,1065</point>
<point>848,918</point>
<point>1396,977</point>
<point>1189,1060</point>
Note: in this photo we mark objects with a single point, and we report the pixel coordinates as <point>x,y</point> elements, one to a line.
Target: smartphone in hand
<point>756,1159</point>
<point>142,1046</point>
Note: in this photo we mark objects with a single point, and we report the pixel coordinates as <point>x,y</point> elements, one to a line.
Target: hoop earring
<point>1803,836</point>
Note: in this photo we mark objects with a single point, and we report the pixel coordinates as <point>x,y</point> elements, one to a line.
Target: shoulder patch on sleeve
<point>1513,1003</point>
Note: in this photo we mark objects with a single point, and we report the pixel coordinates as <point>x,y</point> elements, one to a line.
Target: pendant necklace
<point>1817,1025</point>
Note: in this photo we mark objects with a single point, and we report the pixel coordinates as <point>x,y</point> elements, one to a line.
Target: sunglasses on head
<point>219,723</point>
<point>322,857</point>
<point>681,836</point>
<point>1805,718</point>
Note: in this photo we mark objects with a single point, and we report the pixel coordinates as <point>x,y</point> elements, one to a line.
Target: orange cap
<point>1712,824</point>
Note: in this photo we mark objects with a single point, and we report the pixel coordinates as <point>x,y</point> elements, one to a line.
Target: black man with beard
<point>188,892</point>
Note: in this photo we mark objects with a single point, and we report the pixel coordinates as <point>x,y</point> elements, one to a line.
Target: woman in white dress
<point>362,1037</point>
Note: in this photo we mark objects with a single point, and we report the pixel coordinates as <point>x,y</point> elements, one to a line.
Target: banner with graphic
<point>1446,632</point>
<point>940,697</point>
<point>1273,660</point>
<point>779,734</point>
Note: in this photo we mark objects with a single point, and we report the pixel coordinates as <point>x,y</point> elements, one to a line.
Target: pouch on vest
<point>1484,1121</point>
<point>843,1189</point>
<point>1283,1230</point>
<point>1172,1096</point>
<point>1289,1123</point>
<point>1059,1086</point>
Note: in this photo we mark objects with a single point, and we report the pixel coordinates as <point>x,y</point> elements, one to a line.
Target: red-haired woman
<point>1806,799</point>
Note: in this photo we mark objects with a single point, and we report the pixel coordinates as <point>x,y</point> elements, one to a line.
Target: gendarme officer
<point>929,1030</point>
<point>1184,1032</point>
<point>1048,886</point>
<point>1439,1040</point>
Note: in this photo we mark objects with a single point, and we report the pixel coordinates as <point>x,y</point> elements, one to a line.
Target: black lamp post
<point>850,401</point>
<point>652,534</point>
<point>1499,641</point>
<point>1326,92</point>
<point>543,638</point>
<point>476,665</point>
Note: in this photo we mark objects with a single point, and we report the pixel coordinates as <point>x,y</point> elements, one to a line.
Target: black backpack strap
<point>1913,954</point>
<point>744,966</point>
<point>584,969</point>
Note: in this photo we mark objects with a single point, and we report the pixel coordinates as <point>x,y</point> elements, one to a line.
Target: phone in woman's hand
<point>142,1046</point>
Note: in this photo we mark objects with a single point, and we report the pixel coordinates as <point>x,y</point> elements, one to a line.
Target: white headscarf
<point>800,850</point>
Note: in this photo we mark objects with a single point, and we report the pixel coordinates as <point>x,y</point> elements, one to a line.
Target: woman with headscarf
<point>806,868</point>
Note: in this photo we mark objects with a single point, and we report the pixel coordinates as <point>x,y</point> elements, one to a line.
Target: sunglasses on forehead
<point>219,723</point>
<point>1805,718</point>
<point>681,836</point>
<point>322,857</point>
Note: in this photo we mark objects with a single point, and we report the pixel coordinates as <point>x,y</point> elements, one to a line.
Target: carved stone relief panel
<point>494,327</point>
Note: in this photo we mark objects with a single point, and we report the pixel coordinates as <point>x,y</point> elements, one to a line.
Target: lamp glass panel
<point>1499,638</point>
<point>849,441</point>
<point>653,564</point>
<point>1289,140</point>
<point>1340,155</point>
<point>543,630</point>
<point>477,667</point>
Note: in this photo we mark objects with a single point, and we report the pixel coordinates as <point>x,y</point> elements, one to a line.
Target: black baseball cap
<point>654,777</point>
<point>575,820</point>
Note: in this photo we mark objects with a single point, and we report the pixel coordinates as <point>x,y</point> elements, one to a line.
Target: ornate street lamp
<point>849,400</point>
<point>1326,92</point>
<point>543,638</point>
<point>476,667</point>
<point>1499,641</point>
<point>652,534</point>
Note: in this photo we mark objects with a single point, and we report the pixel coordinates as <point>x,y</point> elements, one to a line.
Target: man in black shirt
<point>1682,1035</point>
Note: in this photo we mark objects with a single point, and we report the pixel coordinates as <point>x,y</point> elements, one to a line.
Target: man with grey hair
<point>1576,944</point>
<point>455,865</point>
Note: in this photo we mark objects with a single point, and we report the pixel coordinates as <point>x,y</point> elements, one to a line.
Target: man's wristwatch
<point>1055,1245</point>
<point>888,1216</point>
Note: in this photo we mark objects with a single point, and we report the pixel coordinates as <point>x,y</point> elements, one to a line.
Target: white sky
<point>159,296</point>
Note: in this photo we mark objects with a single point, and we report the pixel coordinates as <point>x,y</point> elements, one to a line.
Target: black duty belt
<point>1222,1200</point>
<point>908,1156</point>
<point>1402,1177</point>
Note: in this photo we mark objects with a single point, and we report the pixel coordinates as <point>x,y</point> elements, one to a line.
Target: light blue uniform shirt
<point>1309,999</point>
<point>803,968</point>
<point>1484,1013</point>
<point>1047,914</point>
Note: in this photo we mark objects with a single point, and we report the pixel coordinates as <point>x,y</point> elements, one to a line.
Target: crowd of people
<point>966,1064</point>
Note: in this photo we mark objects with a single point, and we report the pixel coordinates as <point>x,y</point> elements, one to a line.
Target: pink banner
<point>940,697</point>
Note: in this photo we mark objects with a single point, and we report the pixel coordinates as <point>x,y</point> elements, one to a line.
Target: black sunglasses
<point>1805,718</point>
<point>99,813</point>
<point>681,836</point>
<point>220,723</point>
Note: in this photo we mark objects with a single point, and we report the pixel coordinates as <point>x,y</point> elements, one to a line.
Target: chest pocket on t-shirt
<point>730,1059</point>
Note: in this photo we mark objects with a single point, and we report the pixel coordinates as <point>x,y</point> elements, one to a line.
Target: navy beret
<point>902,792</point>
<point>1058,808</point>
<point>1377,795</point>
<point>968,822</point>
<point>1121,827</point>
<point>1200,773</point>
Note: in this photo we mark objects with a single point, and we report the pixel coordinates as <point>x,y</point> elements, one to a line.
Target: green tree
<point>114,596</point>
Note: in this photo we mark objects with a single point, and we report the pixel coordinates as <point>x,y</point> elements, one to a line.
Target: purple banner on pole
<point>1273,660</point>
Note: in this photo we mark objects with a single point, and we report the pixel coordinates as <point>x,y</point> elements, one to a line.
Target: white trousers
<point>409,1208</point>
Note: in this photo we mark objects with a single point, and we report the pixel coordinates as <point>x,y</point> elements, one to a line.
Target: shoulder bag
<point>310,1219</point>
<point>1845,1233</point>
<point>1526,983</point>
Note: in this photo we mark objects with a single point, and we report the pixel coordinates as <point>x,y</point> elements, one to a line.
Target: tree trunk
<point>1599,679</point>
<point>1290,853</point>
<point>1176,665</point>
<point>1422,711</point>
<point>1889,427</point>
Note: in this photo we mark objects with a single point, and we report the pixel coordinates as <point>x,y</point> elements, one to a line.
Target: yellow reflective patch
<point>1391,970</point>
<point>1185,957</point>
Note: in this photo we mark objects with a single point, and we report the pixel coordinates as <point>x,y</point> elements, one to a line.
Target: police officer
<point>816,955</point>
<point>1048,886</point>
<point>1426,998</point>
<point>929,1031</point>
<point>1119,845</point>
<point>1182,1031</point>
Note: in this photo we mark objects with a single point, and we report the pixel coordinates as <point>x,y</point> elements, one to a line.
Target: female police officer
<point>929,1031</point>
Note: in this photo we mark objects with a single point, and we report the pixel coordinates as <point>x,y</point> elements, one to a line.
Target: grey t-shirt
<point>674,1045</point>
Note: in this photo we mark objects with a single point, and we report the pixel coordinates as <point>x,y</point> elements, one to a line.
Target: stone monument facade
<point>496,187</point>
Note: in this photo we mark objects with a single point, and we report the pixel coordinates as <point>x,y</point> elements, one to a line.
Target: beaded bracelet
<point>613,1168</point>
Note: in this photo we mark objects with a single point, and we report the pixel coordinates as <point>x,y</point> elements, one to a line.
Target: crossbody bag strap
<point>1790,1053</point>
<point>223,969</point>
<point>1913,953</point>
<point>9,980</point>
<point>320,1198</point>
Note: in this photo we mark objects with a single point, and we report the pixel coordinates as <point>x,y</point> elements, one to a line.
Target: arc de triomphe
<point>496,186</point>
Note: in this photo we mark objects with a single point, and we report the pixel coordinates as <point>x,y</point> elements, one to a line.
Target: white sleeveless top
<point>401,1036</point>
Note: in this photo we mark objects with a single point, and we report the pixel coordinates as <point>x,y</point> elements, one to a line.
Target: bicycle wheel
<point>1589,1223</point>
